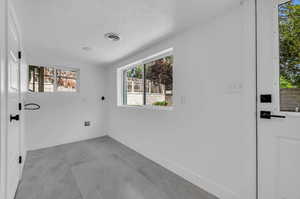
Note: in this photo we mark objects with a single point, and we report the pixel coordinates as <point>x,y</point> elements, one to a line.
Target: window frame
<point>55,91</point>
<point>282,1</point>
<point>276,60</point>
<point>121,81</point>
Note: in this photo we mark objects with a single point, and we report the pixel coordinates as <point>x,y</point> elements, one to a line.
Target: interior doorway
<point>13,139</point>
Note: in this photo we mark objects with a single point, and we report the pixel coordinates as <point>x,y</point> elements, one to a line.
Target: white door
<point>279,93</point>
<point>13,134</point>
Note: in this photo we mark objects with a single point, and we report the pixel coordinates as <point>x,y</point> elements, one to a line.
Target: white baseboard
<point>200,181</point>
<point>62,142</point>
<point>24,156</point>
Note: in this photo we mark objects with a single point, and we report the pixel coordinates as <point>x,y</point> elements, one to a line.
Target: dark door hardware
<point>20,55</point>
<point>16,117</point>
<point>20,159</point>
<point>20,106</point>
<point>268,115</point>
<point>266,98</point>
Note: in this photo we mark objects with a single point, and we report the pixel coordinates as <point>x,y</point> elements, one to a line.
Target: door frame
<point>7,11</point>
<point>275,61</point>
<point>3,94</point>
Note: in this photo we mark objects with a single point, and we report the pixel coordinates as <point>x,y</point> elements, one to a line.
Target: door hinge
<point>20,159</point>
<point>20,106</point>
<point>20,55</point>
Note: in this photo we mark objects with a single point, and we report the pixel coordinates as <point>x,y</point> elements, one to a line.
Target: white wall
<point>205,137</point>
<point>61,117</point>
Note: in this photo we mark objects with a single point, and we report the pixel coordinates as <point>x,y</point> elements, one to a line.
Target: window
<point>148,82</point>
<point>289,55</point>
<point>52,79</point>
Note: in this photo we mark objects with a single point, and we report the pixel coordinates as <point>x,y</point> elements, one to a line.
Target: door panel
<point>13,134</point>
<point>289,160</point>
<point>278,138</point>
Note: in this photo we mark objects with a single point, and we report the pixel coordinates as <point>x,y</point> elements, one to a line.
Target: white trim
<point>54,86</point>
<point>276,63</point>
<point>7,13</point>
<point>200,181</point>
<point>120,85</point>
<point>158,55</point>
<point>276,52</point>
<point>63,142</point>
<point>120,80</point>
<point>13,56</point>
<point>283,1</point>
<point>61,93</point>
<point>14,28</point>
<point>148,107</point>
<point>270,10</point>
<point>3,94</point>
<point>248,189</point>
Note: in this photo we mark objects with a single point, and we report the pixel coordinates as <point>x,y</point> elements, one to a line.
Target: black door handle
<point>268,115</point>
<point>16,117</point>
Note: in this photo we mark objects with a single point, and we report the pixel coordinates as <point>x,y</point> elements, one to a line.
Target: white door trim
<point>3,93</point>
<point>249,96</point>
<point>268,172</point>
<point>7,10</point>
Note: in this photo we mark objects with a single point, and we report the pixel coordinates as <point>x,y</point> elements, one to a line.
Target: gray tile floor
<point>100,168</point>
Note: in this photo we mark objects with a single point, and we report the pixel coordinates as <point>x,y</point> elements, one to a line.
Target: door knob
<point>268,115</point>
<point>16,117</point>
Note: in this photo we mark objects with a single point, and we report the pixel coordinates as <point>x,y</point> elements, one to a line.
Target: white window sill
<point>149,107</point>
<point>52,93</point>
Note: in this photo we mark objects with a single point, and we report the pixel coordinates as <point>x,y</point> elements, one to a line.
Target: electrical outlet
<point>87,123</point>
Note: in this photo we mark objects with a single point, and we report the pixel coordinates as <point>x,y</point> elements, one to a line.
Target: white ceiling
<point>56,30</point>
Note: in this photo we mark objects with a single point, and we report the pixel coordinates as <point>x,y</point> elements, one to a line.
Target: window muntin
<point>149,82</point>
<point>51,79</point>
<point>289,55</point>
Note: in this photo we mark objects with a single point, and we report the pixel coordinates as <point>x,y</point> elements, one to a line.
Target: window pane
<point>48,79</point>
<point>41,79</point>
<point>159,82</point>
<point>289,41</point>
<point>133,86</point>
<point>66,80</point>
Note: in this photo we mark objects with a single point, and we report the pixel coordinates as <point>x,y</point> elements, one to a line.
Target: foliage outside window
<point>149,83</point>
<point>289,51</point>
<point>51,79</point>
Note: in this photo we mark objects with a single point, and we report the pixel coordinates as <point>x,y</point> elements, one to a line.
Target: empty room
<point>150,99</point>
